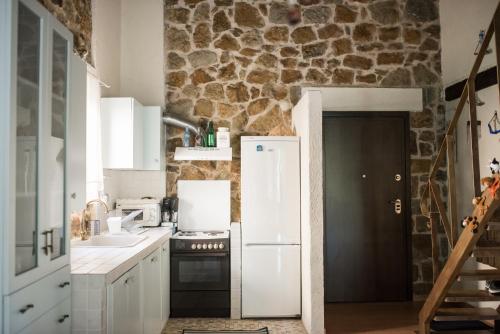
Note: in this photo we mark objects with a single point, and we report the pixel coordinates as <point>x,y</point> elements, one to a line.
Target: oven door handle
<point>199,254</point>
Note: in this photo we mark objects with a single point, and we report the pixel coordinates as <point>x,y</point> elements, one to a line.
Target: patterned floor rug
<point>230,331</point>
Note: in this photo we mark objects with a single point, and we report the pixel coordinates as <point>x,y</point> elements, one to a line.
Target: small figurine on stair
<point>492,183</point>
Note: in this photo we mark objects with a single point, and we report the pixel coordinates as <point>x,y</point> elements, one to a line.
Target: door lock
<point>397,206</point>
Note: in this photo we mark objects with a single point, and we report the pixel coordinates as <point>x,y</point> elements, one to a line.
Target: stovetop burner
<point>187,234</point>
<point>214,233</point>
<point>201,235</point>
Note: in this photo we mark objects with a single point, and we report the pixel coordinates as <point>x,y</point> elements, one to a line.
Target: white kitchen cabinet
<point>124,308</point>
<point>151,292</point>
<point>154,139</point>
<point>41,75</point>
<point>122,133</point>
<point>132,135</point>
<point>56,321</point>
<point>165,282</point>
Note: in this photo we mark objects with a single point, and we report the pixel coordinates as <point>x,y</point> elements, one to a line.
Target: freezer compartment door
<point>271,281</point>
<point>270,191</point>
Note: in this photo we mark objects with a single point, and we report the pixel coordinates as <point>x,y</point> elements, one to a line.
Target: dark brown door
<point>366,239</point>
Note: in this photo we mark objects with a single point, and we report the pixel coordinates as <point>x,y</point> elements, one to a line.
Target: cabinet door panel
<point>56,215</point>
<point>27,115</point>
<point>165,282</point>
<point>151,267</point>
<point>125,305</point>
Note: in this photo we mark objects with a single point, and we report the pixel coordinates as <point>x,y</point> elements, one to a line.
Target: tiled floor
<point>372,318</point>
<point>175,326</point>
<point>366,318</point>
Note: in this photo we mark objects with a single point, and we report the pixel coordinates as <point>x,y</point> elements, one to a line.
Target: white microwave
<point>150,207</point>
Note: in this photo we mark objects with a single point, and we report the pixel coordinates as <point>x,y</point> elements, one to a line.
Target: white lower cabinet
<point>139,301</point>
<point>165,282</point>
<point>56,321</point>
<point>125,303</point>
<point>151,287</point>
<point>26,305</point>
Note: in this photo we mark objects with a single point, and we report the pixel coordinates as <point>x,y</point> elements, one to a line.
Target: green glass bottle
<point>210,135</point>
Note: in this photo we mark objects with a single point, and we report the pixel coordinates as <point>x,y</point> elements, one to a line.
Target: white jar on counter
<point>223,137</point>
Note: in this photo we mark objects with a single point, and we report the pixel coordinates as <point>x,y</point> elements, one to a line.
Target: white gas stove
<point>200,261</point>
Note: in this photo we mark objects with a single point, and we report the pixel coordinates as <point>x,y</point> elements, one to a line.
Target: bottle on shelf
<point>223,137</point>
<point>186,139</point>
<point>210,135</point>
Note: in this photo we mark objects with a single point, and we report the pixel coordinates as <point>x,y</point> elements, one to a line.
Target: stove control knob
<point>198,246</point>
<point>204,246</point>
<point>210,246</point>
<point>193,246</point>
<point>216,246</point>
<point>221,246</point>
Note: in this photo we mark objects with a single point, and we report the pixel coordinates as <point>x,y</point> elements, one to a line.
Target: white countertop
<point>112,262</point>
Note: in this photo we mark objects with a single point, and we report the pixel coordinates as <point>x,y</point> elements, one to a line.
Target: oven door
<point>195,271</point>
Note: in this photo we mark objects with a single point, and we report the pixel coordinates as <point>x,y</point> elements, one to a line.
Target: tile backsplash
<point>133,184</point>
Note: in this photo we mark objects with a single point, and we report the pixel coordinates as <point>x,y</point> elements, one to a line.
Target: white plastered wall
<point>127,44</point>
<point>308,123</point>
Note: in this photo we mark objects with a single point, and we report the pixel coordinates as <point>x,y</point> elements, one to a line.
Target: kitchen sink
<point>110,241</point>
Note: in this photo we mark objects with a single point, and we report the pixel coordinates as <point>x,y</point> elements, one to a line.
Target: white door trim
<point>369,99</point>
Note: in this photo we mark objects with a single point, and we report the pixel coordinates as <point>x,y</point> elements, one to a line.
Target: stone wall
<point>241,64</point>
<point>76,15</point>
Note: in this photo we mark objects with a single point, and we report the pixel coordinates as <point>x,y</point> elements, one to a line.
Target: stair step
<point>470,295</point>
<point>480,275</point>
<point>464,332</point>
<point>487,251</point>
<point>471,313</point>
<point>494,224</point>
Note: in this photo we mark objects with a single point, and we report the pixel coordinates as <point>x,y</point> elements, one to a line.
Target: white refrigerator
<point>270,227</point>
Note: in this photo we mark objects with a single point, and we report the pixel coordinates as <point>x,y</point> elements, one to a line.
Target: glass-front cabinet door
<point>27,142</point>
<point>56,157</point>
<point>39,113</point>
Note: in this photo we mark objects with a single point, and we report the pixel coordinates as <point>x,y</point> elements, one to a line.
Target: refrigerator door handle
<point>270,244</point>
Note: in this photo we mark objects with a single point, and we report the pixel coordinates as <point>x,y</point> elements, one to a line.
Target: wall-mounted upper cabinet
<point>132,135</point>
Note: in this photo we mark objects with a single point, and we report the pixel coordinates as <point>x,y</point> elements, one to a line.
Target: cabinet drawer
<point>56,321</point>
<point>26,305</point>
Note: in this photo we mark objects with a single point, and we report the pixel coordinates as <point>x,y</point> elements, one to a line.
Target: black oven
<point>199,278</point>
<point>200,271</point>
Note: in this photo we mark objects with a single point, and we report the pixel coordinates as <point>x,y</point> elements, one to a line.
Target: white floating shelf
<point>203,153</point>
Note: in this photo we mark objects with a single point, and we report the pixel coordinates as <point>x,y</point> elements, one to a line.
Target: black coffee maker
<point>169,209</point>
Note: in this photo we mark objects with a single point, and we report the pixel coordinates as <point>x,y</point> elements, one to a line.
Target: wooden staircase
<point>444,303</point>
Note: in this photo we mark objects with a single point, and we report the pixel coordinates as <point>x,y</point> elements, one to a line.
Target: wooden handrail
<point>468,93</point>
<point>432,205</point>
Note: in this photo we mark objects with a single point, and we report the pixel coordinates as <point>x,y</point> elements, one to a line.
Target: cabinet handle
<point>26,308</point>
<point>63,318</point>
<point>48,247</point>
<point>63,284</point>
<point>73,195</point>
<point>155,259</point>
<point>33,249</point>
<point>129,279</point>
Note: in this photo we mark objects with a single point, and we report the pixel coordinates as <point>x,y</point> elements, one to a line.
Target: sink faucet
<point>85,227</point>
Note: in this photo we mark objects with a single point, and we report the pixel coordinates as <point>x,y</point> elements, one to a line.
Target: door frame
<point>407,237</point>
